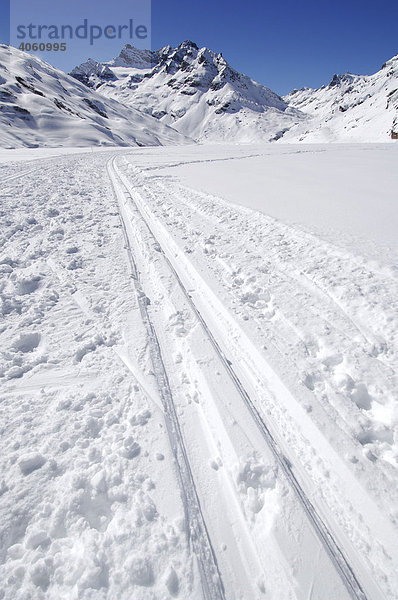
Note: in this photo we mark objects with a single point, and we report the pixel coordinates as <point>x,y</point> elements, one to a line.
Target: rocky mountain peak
<point>135,58</point>
<point>92,73</point>
<point>194,90</point>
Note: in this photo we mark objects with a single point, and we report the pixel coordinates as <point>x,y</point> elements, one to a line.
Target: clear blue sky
<point>280,44</point>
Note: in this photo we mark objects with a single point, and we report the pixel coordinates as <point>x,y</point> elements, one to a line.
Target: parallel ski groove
<point>17,176</point>
<point>211,581</point>
<point>337,557</point>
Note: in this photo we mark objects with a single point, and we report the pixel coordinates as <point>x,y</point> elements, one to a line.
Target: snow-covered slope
<point>360,108</point>
<point>42,106</point>
<point>94,74</point>
<point>151,98</point>
<point>193,90</point>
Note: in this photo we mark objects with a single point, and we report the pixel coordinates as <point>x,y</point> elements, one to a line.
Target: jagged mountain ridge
<point>93,74</point>
<point>42,106</point>
<point>351,108</point>
<point>194,90</point>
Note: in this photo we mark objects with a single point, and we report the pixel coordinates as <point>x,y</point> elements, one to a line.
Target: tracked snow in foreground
<point>199,382</point>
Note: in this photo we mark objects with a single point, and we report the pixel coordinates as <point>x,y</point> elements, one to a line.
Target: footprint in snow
<point>141,418</point>
<point>141,571</point>
<point>131,448</point>
<point>27,342</point>
<point>31,462</point>
<point>172,582</point>
<point>361,396</point>
<point>27,286</point>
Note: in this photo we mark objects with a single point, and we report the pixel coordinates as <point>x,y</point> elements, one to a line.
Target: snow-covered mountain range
<point>196,92</point>
<point>42,106</point>
<point>356,108</point>
<point>183,94</point>
<point>193,90</point>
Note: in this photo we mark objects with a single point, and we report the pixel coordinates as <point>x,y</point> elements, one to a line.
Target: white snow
<point>193,90</point>
<point>42,106</point>
<point>86,508</point>
<point>345,193</point>
<point>198,373</point>
<point>198,93</point>
<point>352,108</point>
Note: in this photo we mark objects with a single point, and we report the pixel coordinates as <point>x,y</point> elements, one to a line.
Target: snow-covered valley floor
<point>199,355</point>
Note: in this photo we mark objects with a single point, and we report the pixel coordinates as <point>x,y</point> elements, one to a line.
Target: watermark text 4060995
<point>42,47</point>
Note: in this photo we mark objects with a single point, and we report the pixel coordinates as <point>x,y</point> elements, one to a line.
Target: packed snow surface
<point>199,374</point>
<point>345,193</point>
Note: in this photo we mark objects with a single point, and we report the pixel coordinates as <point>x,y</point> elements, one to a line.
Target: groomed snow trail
<point>197,400</point>
<point>212,586</point>
<point>361,527</point>
<point>17,176</point>
<point>174,260</point>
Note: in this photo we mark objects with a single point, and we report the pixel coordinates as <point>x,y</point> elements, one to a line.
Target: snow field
<point>235,474</point>
<point>95,501</point>
<point>88,504</point>
<point>342,193</point>
<point>356,423</point>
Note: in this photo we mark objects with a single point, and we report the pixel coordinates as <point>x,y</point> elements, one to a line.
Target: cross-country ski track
<point>198,399</point>
<point>133,201</point>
